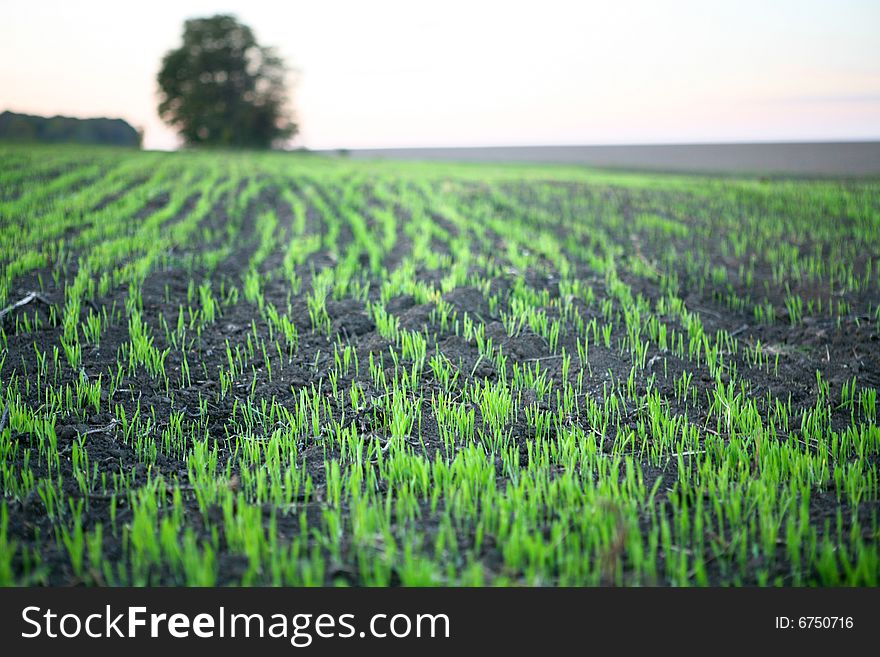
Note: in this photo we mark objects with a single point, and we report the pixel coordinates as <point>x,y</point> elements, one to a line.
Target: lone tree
<point>221,88</point>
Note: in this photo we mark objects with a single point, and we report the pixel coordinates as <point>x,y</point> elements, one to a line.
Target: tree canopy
<point>221,88</point>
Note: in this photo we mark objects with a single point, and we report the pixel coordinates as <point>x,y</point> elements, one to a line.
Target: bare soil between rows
<point>839,352</point>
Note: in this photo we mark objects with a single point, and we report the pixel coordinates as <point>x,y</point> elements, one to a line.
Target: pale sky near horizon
<point>481,73</point>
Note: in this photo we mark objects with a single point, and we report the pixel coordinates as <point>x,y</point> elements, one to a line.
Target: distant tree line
<point>61,129</point>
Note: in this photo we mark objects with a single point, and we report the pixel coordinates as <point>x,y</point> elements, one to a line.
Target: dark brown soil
<point>839,349</point>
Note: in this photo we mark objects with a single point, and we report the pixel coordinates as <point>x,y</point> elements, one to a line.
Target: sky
<point>478,72</point>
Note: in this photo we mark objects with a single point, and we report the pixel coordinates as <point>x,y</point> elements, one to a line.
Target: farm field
<point>283,369</point>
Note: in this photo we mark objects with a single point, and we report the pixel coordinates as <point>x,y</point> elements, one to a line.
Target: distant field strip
<point>833,158</point>
<point>277,369</point>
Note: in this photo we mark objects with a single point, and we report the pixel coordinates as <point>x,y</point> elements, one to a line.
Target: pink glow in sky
<point>472,73</point>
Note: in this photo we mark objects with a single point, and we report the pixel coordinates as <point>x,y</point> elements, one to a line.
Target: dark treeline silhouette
<point>65,129</point>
